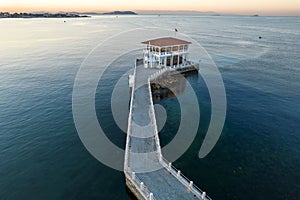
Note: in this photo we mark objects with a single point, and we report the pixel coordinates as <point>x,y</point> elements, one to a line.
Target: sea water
<point>256,157</point>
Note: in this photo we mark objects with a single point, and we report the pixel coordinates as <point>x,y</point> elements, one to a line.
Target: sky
<point>262,7</point>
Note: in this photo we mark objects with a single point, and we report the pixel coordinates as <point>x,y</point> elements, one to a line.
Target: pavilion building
<point>166,52</point>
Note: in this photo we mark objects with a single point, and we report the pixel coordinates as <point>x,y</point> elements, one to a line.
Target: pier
<point>149,176</point>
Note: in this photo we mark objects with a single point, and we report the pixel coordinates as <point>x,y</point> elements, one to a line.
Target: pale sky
<point>267,7</point>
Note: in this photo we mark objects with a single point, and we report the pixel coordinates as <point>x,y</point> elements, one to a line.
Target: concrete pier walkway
<point>148,174</point>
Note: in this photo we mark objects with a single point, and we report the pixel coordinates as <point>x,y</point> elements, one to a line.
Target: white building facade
<point>166,52</point>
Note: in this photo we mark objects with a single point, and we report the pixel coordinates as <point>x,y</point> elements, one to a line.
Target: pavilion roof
<point>167,41</point>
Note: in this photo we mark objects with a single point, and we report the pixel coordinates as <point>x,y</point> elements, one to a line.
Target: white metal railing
<point>158,73</point>
<point>145,51</point>
<point>152,112</point>
<point>129,121</point>
<point>140,186</point>
<point>183,179</point>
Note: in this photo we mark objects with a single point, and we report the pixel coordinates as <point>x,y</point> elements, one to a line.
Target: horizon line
<point>163,12</point>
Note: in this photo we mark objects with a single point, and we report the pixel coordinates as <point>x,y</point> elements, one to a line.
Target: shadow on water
<point>169,85</point>
<point>130,195</point>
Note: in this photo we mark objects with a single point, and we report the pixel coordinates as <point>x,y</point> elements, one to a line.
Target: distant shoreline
<point>40,15</point>
<point>61,14</point>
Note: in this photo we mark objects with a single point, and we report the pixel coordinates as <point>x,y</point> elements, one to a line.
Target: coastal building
<point>166,52</point>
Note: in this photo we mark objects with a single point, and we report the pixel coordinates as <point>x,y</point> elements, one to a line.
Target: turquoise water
<point>257,156</point>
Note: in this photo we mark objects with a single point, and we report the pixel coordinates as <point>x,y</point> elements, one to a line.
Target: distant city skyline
<point>261,7</point>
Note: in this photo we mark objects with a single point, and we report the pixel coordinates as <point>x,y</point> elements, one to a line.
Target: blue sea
<point>256,157</point>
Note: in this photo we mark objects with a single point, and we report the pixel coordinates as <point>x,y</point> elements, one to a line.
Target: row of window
<point>169,49</point>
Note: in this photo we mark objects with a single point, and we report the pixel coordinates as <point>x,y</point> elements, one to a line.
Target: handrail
<point>154,119</point>
<point>129,121</point>
<point>138,182</point>
<point>184,180</point>
<point>158,73</point>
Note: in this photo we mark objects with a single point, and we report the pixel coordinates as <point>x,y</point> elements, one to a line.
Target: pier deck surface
<point>144,151</point>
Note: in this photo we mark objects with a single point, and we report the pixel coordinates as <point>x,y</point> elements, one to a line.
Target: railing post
<point>203,195</point>
<point>151,196</point>
<point>133,175</point>
<point>160,157</point>
<point>142,186</point>
<point>191,184</point>
<point>170,166</point>
<point>178,173</point>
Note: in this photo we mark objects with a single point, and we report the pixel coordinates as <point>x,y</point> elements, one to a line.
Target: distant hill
<point>120,13</point>
<point>111,13</point>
